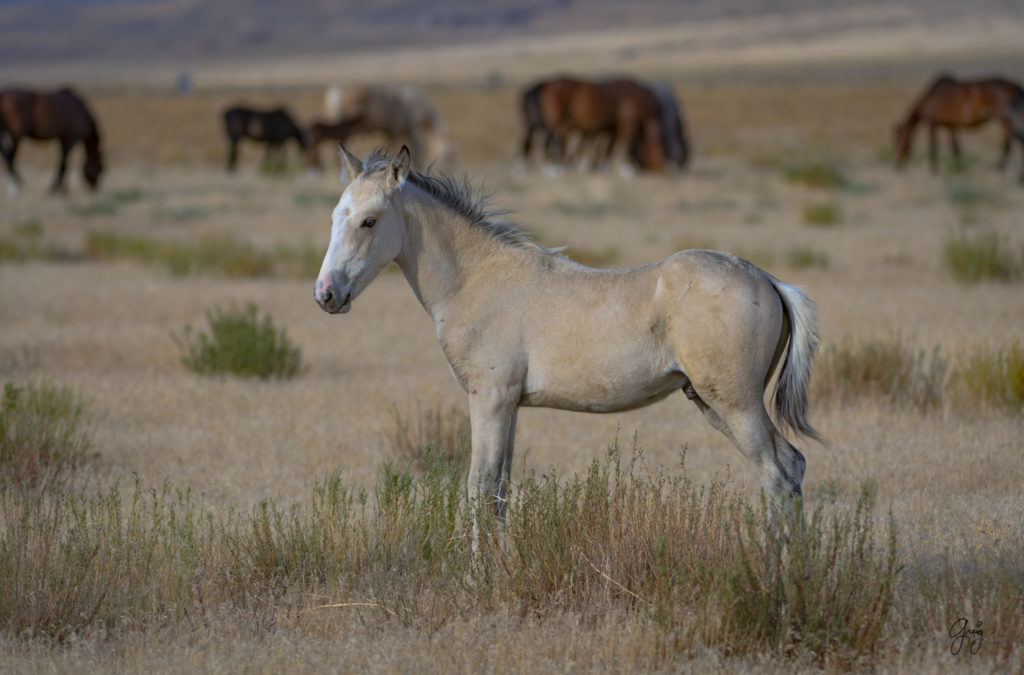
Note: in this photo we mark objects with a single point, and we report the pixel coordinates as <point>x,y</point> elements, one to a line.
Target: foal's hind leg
<point>751,430</point>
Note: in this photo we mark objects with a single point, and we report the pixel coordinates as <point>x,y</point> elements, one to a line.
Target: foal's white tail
<point>795,373</point>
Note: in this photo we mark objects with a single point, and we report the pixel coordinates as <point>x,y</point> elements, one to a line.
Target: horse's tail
<point>532,116</point>
<point>672,126</point>
<point>1015,111</point>
<point>795,372</point>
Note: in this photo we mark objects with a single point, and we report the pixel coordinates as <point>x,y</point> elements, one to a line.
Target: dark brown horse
<point>962,104</point>
<point>622,112</point>
<point>60,115</point>
<point>320,131</point>
<point>272,127</point>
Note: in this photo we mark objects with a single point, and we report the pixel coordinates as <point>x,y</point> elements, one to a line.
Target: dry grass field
<point>950,471</point>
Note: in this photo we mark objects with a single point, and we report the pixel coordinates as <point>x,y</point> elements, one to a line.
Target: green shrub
<point>887,369</point>
<point>994,376</point>
<point>42,438</point>
<point>27,243</point>
<point>817,173</point>
<point>971,259</point>
<point>242,343</point>
<point>800,258</point>
<point>180,214</point>
<point>211,254</point>
<point>964,192</point>
<point>822,214</point>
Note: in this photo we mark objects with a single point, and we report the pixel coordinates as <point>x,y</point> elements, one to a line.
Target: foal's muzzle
<point>331,299</point>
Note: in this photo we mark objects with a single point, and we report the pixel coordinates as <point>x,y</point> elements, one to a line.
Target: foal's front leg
<point>492,416</point>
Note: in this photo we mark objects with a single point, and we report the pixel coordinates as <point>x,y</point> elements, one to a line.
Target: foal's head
<point>367,230</point>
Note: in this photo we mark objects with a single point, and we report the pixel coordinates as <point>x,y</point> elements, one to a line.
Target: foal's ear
<point>399,169</point>
<point>351,167</point>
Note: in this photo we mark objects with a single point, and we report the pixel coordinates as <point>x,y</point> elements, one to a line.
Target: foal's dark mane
<point>459,195</point>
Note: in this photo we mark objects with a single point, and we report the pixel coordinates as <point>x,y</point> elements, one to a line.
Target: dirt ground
<point>952,476</point>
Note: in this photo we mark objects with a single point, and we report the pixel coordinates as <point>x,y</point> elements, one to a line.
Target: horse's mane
<point>459,195</point>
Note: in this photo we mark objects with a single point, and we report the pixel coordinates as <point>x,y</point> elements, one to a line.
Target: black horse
<point>61,115</point>
<point>273,127</point>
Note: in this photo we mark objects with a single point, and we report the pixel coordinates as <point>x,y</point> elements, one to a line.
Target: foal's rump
<point>738,328</point>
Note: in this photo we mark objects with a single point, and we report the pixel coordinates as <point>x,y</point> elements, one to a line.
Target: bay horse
<point>273,127</point>
<point>621,113</point>
<point>962,104</point>
<point>61,115</point>
<point>522,325</point>
<point>399,112</point>
<point>322,130</point>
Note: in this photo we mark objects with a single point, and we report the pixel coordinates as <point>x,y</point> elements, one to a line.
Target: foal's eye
<point>368,222</point>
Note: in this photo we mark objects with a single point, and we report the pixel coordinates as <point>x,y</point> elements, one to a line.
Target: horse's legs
<point>1004,155</point>
<point>62,165</point>
<point>232,153</point>
<point>492,416</point>
<point>954,146</point>
<point>751,430</point>
<point>13,180</point>
<point>1020,138</point>
<point>933,147</point>
<point>527,143</point>
<point>506,465</point>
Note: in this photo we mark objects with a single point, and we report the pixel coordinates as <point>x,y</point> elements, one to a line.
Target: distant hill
<point>258,41</point>
<point>52,31</point>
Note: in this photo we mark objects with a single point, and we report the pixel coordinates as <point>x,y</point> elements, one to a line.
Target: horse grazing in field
<point>272,127</point>
<point>400,113</point>
<point>620,113</point>
<point>522,325</point>
<point>962,104</point>
<point>321,130</point>
<point>60,115</point>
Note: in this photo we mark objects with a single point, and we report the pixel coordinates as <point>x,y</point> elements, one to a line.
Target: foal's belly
<point>600,392</point>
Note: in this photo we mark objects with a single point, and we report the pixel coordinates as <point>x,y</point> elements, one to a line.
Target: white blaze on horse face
<point>366,235</point>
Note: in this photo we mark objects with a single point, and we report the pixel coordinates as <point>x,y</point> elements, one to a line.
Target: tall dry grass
<point>700,565</point>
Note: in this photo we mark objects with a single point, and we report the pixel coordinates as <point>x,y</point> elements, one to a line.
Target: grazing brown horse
<point>273,127</point>
<point>963,104</point>
<point>60,115</point>
<point>320,131</point>
<point>623,111</point>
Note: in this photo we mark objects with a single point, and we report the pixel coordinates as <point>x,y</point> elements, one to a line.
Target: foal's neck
<point>441,249</point>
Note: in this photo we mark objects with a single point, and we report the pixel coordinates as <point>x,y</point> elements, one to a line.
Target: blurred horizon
<point>262,42</point>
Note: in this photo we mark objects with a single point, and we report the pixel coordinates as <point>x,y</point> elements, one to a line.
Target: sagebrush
<point>239,342</point>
